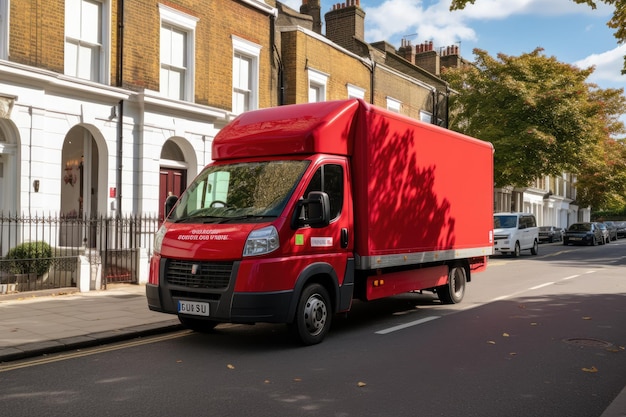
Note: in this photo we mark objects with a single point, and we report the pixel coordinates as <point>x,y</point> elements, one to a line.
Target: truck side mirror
<point>170,202</point>
<point>314,211</point>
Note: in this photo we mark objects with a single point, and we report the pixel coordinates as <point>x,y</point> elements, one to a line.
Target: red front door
<point>171,181</point>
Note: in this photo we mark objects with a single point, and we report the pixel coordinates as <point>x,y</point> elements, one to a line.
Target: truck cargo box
<point>422,192</point>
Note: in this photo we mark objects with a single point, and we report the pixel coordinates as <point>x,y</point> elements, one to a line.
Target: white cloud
<point>608,66</point>
<point>405,18</point>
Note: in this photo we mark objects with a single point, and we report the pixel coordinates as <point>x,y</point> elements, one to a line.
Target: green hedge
<point>30,258</point>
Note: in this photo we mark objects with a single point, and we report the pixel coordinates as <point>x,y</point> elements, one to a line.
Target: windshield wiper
<point>245,216</point>
<point>200,219</point>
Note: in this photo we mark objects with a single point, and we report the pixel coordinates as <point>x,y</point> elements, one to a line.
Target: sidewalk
<point>37,323</point>
<point>42,322</point>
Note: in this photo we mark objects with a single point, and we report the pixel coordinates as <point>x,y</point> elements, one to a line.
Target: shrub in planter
<point>30,258</point>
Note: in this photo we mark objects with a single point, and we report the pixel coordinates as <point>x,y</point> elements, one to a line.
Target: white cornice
<point>261,5</point>
<point>52,81</point>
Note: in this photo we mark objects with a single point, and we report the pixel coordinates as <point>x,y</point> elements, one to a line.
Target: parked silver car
<point>550,234</point>
<point>606,236</point>
<point>612,229</point>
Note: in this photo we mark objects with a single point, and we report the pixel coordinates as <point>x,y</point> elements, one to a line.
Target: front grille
<point>192,274</point>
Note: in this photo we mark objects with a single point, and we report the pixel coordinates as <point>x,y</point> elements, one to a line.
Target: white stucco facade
<point>60,139</point>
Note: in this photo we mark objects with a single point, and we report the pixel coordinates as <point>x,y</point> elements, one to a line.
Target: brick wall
<point>38,36</point>
<point>300,51</point>
<point>36,33</point>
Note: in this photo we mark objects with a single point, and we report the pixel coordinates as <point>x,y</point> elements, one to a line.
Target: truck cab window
<point>329,179</point>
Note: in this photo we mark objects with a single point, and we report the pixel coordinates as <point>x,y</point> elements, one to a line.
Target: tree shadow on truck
<point>406,205</point>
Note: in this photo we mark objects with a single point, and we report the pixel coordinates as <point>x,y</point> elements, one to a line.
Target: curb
<point>84,341</point>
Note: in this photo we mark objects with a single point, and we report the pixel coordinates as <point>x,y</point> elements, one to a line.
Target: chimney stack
<point>345,22</point>
<point>313,9</point>
<point>427,58</point>
<point>406,51</point>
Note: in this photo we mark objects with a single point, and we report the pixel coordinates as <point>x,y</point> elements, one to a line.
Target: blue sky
<point>572,33</point>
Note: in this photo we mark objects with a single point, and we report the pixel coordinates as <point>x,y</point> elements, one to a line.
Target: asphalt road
<point>535,336</point>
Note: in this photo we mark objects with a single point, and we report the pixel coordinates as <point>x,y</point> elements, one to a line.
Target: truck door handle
<point>344,237</point>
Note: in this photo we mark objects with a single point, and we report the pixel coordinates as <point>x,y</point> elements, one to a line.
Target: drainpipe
<point>120,137</point>
<point>120,113</point>
<point>372,83</point>
<point>120,42</point>
<point>30,159</point>
<point>435,95</point>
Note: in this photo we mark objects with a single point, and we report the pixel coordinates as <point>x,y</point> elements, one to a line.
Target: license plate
<point>576,238</point>
<point>194,308</point>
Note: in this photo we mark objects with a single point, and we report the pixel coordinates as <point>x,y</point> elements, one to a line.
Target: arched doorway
<point>79,185</point>
<point>172,174</point>
<point>9,194</point>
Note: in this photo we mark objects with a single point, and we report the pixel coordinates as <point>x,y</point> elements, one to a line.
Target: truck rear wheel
<point>313,315</point>
<point>197,325</point>
<point>454,290</point>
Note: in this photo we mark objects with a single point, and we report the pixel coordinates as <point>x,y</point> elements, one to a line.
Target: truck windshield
<point>239,191</point>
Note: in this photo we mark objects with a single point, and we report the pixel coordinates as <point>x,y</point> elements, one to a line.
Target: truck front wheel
<point>454,290</point>
<point>313,315</point>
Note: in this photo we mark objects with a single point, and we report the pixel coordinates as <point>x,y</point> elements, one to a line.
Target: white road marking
<point>410,324</point>
<point>503,297</point>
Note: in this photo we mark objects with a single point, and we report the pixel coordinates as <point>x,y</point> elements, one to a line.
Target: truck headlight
<point>261,241</point>
<point>158,238</point>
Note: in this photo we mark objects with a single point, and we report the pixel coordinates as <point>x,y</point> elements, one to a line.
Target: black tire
<point>454,290</point>
<point>197,325</point>
<point>535,249</point>
<point>593,241</point>
<point>517,251</point>
<point>313,315</point>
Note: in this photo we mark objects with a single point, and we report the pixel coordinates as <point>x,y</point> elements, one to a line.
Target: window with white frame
<point>245,75</point>
<point>426,116</point>
<point>393,105</point>
<point>177,46</point>
<point>86,39</point>
<point>355,92</point>
<point>317,86</point>
<point>4,29</point>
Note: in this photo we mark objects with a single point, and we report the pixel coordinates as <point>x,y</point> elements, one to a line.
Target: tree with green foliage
<point>617,22</point>
<point>543,118</point>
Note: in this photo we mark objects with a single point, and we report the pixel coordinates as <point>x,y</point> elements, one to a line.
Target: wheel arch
<point>321,273</point>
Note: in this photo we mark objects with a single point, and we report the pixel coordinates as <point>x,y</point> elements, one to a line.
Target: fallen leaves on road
<point>586,318</point>
<point>491,342</point>
<point>229,366</point>
<point>593,369</point>
<point>361,384</point>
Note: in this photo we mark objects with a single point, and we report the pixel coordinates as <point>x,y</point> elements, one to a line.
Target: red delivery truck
<point>309,206</point>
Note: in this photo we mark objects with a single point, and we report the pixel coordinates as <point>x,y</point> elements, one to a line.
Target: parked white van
<point>515,232</point>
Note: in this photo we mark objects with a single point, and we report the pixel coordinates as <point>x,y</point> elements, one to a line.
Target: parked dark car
<point>621,229</point>
<point>612,229</point>
<point>550,234</point>
<point>583,233</point>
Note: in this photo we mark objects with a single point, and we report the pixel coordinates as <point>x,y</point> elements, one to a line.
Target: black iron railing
<point>41,252</point>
